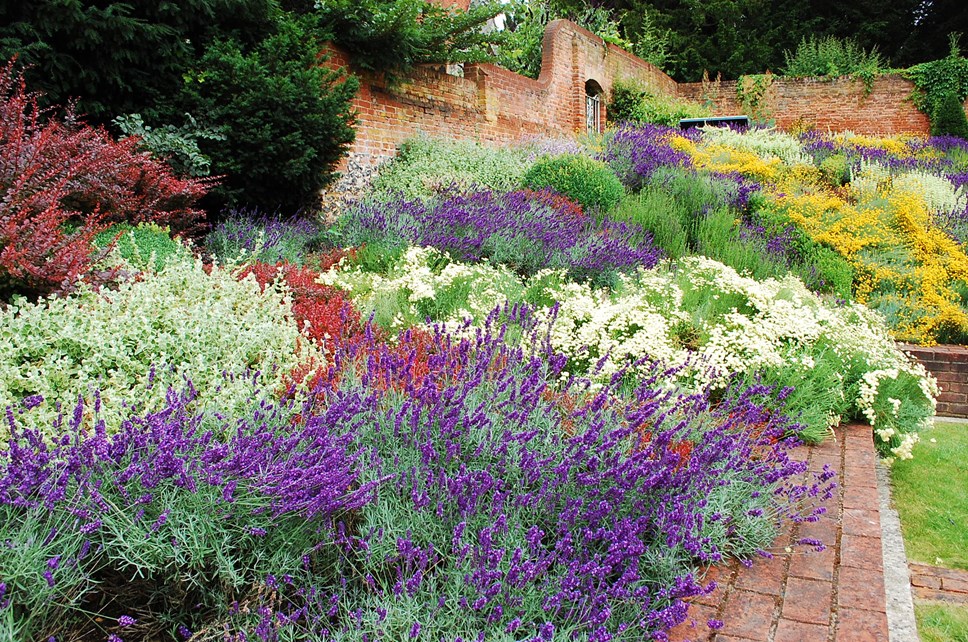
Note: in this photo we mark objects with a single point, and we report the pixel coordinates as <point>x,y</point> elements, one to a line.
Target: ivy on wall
<point>935,81</point>
<point>751,92</point>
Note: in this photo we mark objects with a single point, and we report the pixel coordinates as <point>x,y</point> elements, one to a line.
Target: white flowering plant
<point>699,316</point>
<point>894,400</point>
<point>767,143</point>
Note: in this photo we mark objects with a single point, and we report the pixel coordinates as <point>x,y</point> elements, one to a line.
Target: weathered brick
<point>859,588</point>
<point>793,631</point>
<point>817,565</point>
<point>860,521</point>
<point>765,576</point>
<point>807,600</point>
<point>858,625</point>
<point>862,552</point>
<point>748,614</point>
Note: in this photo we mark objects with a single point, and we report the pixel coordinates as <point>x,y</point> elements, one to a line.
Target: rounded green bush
<point>586,181</point>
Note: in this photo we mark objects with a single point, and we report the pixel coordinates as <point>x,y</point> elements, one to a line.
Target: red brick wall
<point>490,103</point>
<point>838,104</point>
<point>494,105</point>
<point>949,365</point>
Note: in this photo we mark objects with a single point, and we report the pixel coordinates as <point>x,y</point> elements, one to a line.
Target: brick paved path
<point>801,595</point>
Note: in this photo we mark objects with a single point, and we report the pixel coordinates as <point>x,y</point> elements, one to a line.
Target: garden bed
<point>515,394</point>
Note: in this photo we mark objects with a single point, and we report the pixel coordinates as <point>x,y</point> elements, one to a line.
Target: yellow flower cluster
<point>718,157</point>
<point>900,146</point>
<point>903,265</point>
<point>898,257</point>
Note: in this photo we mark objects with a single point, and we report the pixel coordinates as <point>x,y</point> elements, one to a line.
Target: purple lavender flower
<point>528,231</point>
<point>635,152</point>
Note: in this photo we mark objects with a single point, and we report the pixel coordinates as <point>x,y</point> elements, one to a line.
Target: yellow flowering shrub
<point>724,158</point>
<point>882,221</point>
<point>894,249</point>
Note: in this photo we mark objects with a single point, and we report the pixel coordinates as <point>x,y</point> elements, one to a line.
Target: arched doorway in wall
<point>593,107</point>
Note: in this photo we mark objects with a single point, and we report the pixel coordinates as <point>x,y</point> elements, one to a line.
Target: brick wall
<point>489,103</point>
<point>949,365</point>
<point>835,104</point>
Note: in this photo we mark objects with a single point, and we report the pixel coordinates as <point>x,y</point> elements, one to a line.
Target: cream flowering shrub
<point>133,342</point>
<point>939,195</point>
<point>767,143</point>
<point>425,283</point>
<point>885,399</point>
<point>699,317</point>
<point>871,180</point>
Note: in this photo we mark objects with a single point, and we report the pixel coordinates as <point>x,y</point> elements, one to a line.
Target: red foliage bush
<point>62,182</point>
<point>323,313</point>
<point>566,207</point>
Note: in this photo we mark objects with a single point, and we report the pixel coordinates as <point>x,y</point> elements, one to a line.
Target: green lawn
<point>931,496</point>
<point>942,622</point>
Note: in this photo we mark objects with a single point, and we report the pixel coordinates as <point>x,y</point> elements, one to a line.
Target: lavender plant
<point>635,152</point>
<point>164,519</point>
<point>439,488</point>
<point>527,231</point>
<point>264,237</point>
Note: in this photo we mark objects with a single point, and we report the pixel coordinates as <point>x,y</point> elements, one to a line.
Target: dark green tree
<point>119,57</point>
<point>949,118</point>
<point>928,38</point>
<point>737,37</point>
<point>394,35</point>
<point>285,119</point>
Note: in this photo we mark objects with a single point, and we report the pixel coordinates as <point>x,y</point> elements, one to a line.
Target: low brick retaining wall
<point>949,365</point>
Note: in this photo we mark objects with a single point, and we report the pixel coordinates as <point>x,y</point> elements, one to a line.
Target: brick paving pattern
<point>935,583</point>
<point>804,595</point>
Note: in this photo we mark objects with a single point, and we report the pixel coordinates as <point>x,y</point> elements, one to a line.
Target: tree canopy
<point>736,37</point>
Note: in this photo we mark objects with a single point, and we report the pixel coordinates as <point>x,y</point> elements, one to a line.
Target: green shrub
<point>835,170</point>
<point>146,246</point>
<point>287,120</point>
<point>949,117</point>
<point>116,56</point>
<point>525,23</point>
<point>584,180</point>
<point>395,35</point>
<point>935,80</point>
<point>718,237</point>
<point>425,166</point>
<point>808,390</point>
<point>521,50</point>
<point>177,146</point>
<point>831,56</point>
<point>821,268</point>
<point>631,102</point>
<point>671,207</point>
<point>660,213</point>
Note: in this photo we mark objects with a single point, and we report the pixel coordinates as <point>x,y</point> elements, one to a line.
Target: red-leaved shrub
<point>324,313</point>
<point>62,182</point>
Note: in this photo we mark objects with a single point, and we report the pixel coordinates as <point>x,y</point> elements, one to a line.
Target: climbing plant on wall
<point>751,93</point>
<point>935,81</point>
